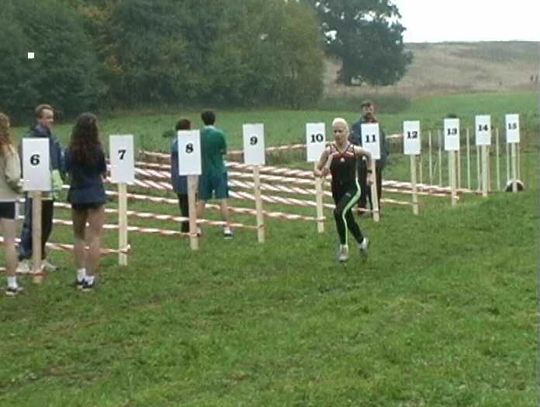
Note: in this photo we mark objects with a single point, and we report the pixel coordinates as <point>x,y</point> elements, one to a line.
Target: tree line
<point>130,53</point>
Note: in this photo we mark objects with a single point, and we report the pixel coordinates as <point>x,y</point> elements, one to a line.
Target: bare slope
<point>459,67</point>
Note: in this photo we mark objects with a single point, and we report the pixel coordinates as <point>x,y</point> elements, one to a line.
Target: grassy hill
<point>440,68</point>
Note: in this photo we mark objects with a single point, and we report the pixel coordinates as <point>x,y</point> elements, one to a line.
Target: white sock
<point>12,282</point>
<point>81,274</point>
<point>227,229</point>
<point>89,279</point>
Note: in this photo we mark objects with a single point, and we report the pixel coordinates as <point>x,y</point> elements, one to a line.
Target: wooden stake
<point>192,203</point>
<point>122,224</point>
<point>258,204</point>
<point>514,167</point>
<point>452,165</point>
<point>440,157</point>
<point>484,172</point>
<point>413,184</point>
<point>507,163</point>
<point>497,159</point>
<point>420,170</point>
<point>468,143</point>
<point>319,202</point>
<point>458,165</point>
<point>374,195</point>
<point>36,236</point>
<point>430,160</point>
<point>478,170</point>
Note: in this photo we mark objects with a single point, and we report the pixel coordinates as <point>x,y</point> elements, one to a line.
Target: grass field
<point>443,313</point>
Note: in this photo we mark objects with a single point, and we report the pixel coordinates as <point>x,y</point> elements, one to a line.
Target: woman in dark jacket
<point>85,164</point>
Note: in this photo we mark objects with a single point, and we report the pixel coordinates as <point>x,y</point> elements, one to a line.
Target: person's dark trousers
<point>25,246</point>
<point>183,203</point>
<point>365,193</point>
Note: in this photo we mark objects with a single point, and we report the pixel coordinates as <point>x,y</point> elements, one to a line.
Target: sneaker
<point>363,248</point>
<point>13,291</point>
<point>78,284</point>
<point>24,267</point>
<point>343,253</point>
<point>227,233</point>
<point>87,286</point>
<point>48,266</point>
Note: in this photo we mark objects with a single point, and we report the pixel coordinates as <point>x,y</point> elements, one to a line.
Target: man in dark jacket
<point>368,116</point>
<point>44,115</point>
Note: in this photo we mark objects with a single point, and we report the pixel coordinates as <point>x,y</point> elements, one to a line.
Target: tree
<point>64,71</point>
<point>368,38</point>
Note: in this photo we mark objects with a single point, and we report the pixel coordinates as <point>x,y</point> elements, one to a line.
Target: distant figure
<point>44,120</point>
<point>85,164</point>
<point>179,183</point>
<point>10,187</point>
<point>368,116</point>
<point>213,181</point>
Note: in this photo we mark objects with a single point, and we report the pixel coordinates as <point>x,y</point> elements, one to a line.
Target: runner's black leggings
<point>345,197</point>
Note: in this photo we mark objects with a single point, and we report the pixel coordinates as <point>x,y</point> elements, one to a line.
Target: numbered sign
<point>483,130</point>
<point>189,152</point>
<point>36,164</point>
<point>411,137</point>
<point>370,139</point>
<point>122,158</point>
<point>451,134</point>
<point>512,128</point>
<point>254,144</point>
<point>315,140</point>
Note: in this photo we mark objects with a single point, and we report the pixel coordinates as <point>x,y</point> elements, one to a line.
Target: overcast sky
<point>470,20</point>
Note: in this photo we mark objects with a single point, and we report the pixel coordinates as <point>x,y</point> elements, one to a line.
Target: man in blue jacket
<point>44,115</point>
<point>368,116</point>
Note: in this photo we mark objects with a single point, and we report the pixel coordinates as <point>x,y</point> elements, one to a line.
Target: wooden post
<point>507,163</point>
<point>420,172</point>
<point>413,184</point>
<point>319,201</point>
<point>478,170</point>
<point>192,203</point>
<point>514,167</point>
<point>518,152</point>
<point>497,159</point>
<point>468,143</point>
<point>458,165</point>
<point>430,160</point>
<point>36,236</point>
<point>374,194</point>
<point>440,157</point>
<point>484,172</point>
<point>452,165</point>
<point>258,204</point>
<point>122,224</point>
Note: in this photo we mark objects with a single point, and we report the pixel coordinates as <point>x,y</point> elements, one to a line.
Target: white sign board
<point>483,130</point>
<point>370,139</point>
<point>411,137</point>
<point>189,152</point>
<point>451,134</point>
<point>512,128</point>
<point>315,140</point>
<point>254,144</point>
<point>121,153</point>
<point>36,164</point>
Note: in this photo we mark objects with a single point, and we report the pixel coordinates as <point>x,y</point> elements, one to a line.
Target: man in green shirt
<point>213,180</point>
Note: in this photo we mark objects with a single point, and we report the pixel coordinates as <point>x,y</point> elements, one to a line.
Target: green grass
<point>443,313</point>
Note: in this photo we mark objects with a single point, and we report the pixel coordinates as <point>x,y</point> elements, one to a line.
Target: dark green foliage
<point>64,71</point>
<point>368,38</point>
<point>211,52</point>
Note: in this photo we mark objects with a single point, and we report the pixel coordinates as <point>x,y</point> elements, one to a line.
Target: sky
<point>469,20</point>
